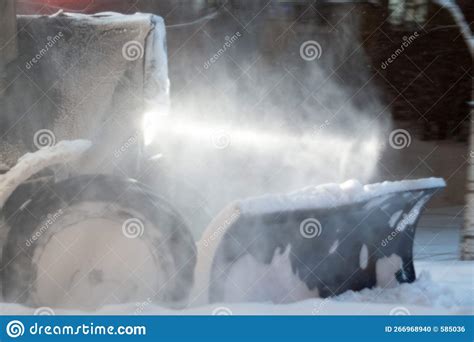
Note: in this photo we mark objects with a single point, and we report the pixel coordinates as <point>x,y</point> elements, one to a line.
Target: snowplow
<point>83,229</point>
<point>317,242</point>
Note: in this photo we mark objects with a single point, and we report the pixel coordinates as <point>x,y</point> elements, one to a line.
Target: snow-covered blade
<point>318,242</point>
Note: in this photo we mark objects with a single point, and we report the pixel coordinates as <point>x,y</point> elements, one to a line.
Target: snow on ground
<point>445,285</point>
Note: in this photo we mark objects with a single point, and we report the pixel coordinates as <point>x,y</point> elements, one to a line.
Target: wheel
<point>95,240</point>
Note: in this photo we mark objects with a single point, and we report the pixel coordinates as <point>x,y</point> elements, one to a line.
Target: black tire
<point>168,238</point>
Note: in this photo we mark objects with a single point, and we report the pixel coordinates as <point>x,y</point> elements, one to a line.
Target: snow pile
<point>423,292</point>
<point>423,297</point>
<point>332,195</point>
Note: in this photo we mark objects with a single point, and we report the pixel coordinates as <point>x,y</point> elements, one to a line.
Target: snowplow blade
<point>318,242</point>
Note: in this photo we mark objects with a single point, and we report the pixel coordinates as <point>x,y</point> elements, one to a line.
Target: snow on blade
<point>31,163</point>
<point>333,195</point>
